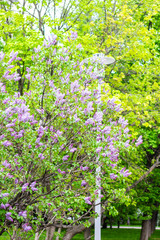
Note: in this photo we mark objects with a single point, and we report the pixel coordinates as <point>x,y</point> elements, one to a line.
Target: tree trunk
<point>104,222</point>
<point>110,222</point>
<point>87,233</point>
<point>50,233</point>
<point>37,236</point>
<point>128,221</point>
<point>154,221</point>
<point>71,232</point>
<point>146,230</point>
<point>118,224</point>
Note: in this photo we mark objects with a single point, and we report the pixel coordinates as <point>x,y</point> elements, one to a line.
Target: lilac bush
<point>51,136</point>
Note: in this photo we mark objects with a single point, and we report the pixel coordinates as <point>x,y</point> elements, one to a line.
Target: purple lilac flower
<point>70,209</point>
<point>6,164</point>
<point>89,108</point>
<point>38,49</point>
<point>98,116</point>
<point>139,141</point>
<point>40,131</point>
<point>10,129</point>
<point>49,61</point>
<point>3,89</point>
<point>76,119</point>
<point>9,175</point>
<point>59,133</point>
<point>126,173</point>
<point>66,58</point>
<point>24,187</point>
<point>122,170</point>
<point>62,172</point>
<point>16,181</point>
<point>83,183</point>
<point>74,86</point>
<point>79,46</point>
<point>52,39</point>
<point>87,200</point>
<point>8,216</point>
<point>85,92</point>
<point>3,206</point>
<point>118,108</point>
<point>111,103</point>
<point>6,143</point>
<point>26,227</point>
<point>2,136</point>
<point>28,76</point>
<point>89,121</point>
<point>106,130</point>
<point>123,122</point>
<point>113,176</point>
<point>6,100</point>
<point>51,84</point>
<point>65,158</point>
<point>13,56</point>
<point>59,98</point>
<point>5,195</point>
<point>33,186</point>
<point>73,35</point>
<point>2,56</point>
<point>38,140</point>
<point>73,149</point>
<point>126,144</point>
<point>67,78</point>
<point>126,130</point>
<point>84,168</point>
<point>104,154</point>
<point>41,156</point>
<point>23,214</point>
<point>98,150</point>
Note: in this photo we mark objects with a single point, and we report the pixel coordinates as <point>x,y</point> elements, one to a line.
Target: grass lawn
<point>121,234</point>
<point>107,234</point>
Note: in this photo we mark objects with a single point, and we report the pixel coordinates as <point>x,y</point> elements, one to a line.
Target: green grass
<point>121,234</point>
<point>107,234</point>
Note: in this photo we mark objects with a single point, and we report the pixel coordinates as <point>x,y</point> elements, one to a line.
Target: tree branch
<point>156,164</point>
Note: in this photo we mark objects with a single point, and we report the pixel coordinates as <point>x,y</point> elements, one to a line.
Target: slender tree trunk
<point>146,229</point>
<point>118,224</point>
<point>154,221</point>
<point>128,221</point>
<point>50,233</point>
<point>110,222</point>
<point>37,236</point>
<point>87,233</point>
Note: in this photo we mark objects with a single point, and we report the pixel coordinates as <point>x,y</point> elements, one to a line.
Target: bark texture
<point>146,229</point>
<point>71,232</point>
<point>154,221</point>
<point>36,236</point>
<point>87,233</point>
<point>50,233</point>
